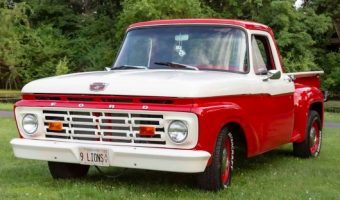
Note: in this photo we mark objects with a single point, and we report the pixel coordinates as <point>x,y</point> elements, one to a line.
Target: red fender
<point>214,116</point>
<point>304,98</point>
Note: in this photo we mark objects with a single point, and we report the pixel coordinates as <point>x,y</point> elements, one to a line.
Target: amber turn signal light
<point>147,131</point>
<point>55,126</point>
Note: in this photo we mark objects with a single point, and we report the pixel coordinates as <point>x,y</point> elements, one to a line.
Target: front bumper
<point>173,160</point>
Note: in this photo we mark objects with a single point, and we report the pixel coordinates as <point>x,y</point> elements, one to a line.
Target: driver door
<point>277,94</point>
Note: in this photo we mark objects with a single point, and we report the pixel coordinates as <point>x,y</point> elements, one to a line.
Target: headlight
<point>30,123</point>
<point>177,131</point>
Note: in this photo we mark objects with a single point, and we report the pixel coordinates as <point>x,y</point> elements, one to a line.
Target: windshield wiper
<point>176,65</point>
<point>129,67</point>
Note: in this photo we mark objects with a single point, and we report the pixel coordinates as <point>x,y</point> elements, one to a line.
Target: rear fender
<point>304,98</point>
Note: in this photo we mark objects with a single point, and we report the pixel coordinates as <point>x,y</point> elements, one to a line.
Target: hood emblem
<point>98,86</point>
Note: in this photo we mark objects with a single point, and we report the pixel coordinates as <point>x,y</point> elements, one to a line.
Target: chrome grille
<point>105,127</point>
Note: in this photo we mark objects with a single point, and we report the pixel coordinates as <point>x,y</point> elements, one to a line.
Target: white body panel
<point>173,160</point>
<point>167,83</point>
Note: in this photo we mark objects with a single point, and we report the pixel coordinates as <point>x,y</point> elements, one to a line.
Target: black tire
<point>311,146</point>
<point>214,178</point>
<point>67,170</point>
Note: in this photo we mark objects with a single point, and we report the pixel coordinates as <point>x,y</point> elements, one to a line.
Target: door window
<point>262,55</point>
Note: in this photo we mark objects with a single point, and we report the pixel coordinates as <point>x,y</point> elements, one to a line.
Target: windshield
<point>201,47</point>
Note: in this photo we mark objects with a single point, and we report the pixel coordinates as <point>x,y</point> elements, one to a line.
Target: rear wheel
<point>218,174</point>
<point>67,170</point>
<point>311,146</point>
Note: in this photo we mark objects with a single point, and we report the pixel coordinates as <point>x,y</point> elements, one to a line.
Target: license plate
<point>99,157</point>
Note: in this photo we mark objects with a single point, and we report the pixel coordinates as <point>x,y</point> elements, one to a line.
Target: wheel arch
<point>240,142</point>
<point>238,133</point>
<point>318,107</point>
<point>214,118</point>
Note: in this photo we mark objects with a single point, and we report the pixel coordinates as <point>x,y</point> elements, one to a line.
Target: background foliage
<point>40,38</point>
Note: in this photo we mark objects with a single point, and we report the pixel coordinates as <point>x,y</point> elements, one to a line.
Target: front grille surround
<point>109,126</point>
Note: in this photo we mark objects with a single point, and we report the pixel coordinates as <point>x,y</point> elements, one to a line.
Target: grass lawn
<point>332,117</point>
<point>6,106</point>
<point>274,175</point>
<point>9,92</point>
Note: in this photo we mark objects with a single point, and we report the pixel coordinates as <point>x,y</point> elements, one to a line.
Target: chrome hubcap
<point>225,161</point>
<point>312,136</point>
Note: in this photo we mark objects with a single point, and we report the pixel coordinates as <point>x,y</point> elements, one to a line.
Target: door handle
<point>290,78</point>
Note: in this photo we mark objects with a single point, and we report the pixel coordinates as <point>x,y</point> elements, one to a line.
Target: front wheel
<point>67,170</point>
<point>311,146</point>
<point>218,174</point>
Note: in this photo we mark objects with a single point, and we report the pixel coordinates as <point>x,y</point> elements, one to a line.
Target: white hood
<point>167,83</point>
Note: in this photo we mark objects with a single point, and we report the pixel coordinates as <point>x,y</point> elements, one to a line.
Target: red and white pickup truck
<point>186,95</point>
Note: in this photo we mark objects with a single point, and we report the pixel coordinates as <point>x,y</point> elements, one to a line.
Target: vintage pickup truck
<point>186,95</point>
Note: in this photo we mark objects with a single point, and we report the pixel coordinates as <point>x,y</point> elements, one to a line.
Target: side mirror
<point>325,95</point>
<point>107,68</point>
<point>273,74</point>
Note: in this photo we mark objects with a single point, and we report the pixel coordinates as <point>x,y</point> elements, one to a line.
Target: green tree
<point>14,31</point>
<point>295,29</point>
<point>143,10</point>
<point>62,67</point>
<point>329,54</point>
<point>88,26</point>
<point>45,47</point>
<point>332,71</point>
